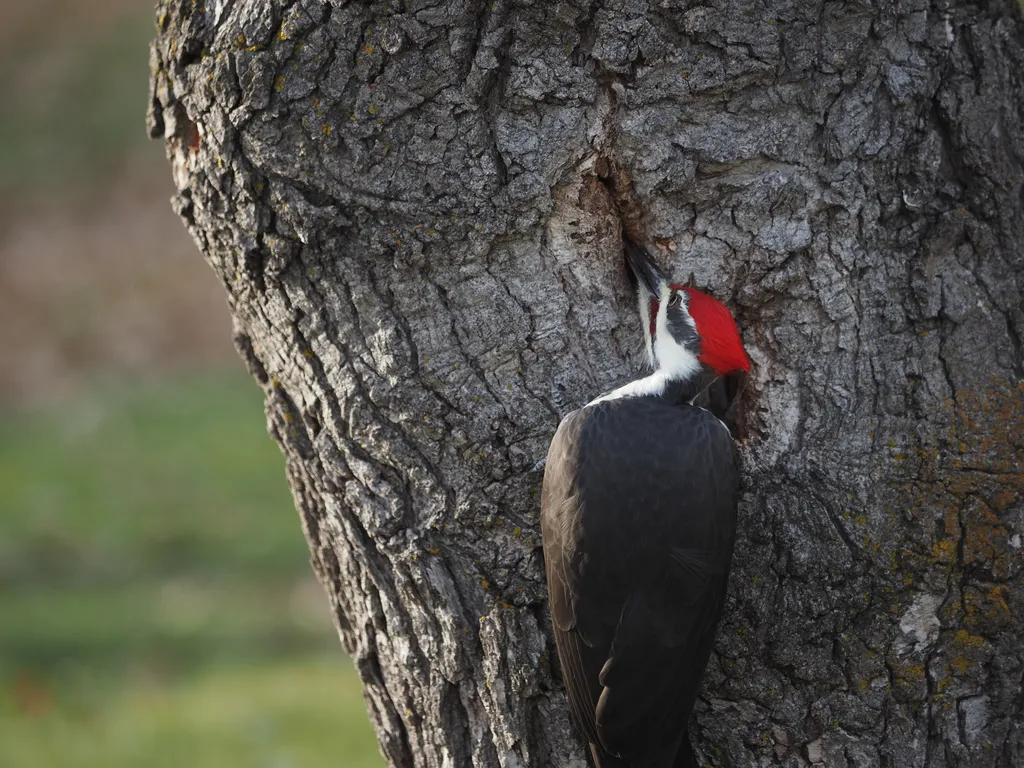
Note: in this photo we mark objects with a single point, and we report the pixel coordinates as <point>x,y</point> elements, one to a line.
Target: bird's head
<point>687,332</point>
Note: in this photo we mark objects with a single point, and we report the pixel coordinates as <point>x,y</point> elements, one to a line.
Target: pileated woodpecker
<point>638,515</point>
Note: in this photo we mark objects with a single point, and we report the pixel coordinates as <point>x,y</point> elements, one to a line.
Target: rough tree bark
<point>415,208</point>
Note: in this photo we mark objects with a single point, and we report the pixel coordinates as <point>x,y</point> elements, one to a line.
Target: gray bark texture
<point>416,211</point>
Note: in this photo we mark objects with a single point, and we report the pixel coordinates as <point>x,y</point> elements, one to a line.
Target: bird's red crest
<point>721,347</point>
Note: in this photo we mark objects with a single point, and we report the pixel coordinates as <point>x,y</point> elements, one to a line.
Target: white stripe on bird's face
<point>644,301</point>
<point>673,359</point>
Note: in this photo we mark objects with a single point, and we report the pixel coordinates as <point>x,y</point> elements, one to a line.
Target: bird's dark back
<point>638,516</point>
<point>642,467</point>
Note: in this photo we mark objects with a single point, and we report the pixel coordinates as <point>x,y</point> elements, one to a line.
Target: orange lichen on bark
<point>987,608</point>
<point>970,471</point>
<point>986,540</point>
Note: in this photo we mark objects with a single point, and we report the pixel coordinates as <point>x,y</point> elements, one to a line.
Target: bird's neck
<point>675,390</point>
<point>678,391</point>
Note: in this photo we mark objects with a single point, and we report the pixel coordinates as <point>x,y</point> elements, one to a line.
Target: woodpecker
<point>638,516</point>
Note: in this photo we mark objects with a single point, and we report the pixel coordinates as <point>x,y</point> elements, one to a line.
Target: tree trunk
<point>416,210</point>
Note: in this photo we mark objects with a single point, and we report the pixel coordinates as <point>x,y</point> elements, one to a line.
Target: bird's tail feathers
<point>603,759</point>
<point>678,755</point>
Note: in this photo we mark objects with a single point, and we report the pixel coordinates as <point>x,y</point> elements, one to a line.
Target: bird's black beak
<point>645,272</point>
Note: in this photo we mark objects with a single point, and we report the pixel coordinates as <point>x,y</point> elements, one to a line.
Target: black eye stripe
<point>681,328</point>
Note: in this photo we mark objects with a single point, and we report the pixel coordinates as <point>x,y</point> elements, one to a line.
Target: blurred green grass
<point>156,603</point>
<point>285,714</point>
<point>198,483</point>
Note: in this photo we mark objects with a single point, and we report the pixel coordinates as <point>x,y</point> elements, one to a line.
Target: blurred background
<point>157,607</point>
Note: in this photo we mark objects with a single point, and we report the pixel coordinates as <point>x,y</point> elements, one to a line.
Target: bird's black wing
<point>638,517</point>
<point>561,526</point>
